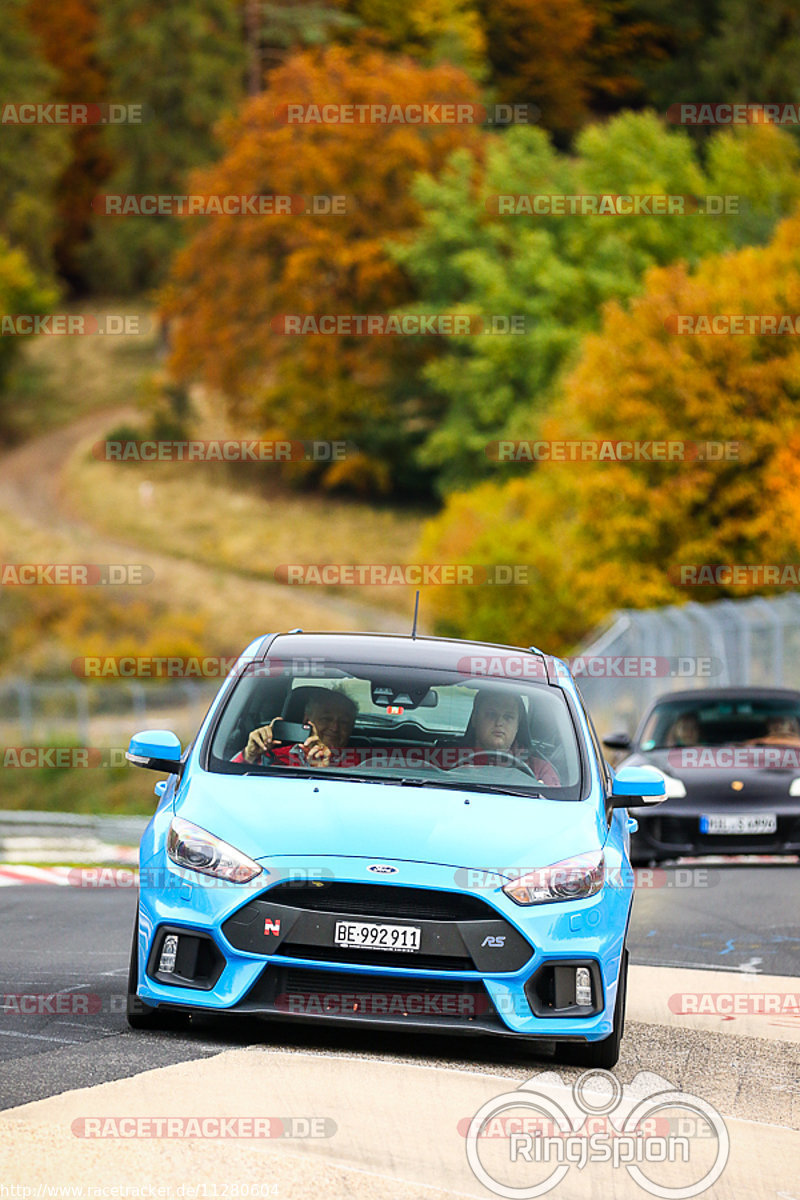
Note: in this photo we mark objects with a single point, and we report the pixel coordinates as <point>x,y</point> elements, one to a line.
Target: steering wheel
<point>510,759</point>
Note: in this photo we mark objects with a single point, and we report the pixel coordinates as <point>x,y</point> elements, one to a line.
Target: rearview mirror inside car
<point>385,695</point>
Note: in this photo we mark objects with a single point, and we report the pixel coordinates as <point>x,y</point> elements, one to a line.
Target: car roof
<point>744,692</point>
<point>401,650</point>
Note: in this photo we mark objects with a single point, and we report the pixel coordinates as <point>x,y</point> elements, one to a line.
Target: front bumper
<point>663,835</point>
<point>487,960</point>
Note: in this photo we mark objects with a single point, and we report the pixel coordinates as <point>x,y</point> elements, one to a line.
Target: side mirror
<point>617,741</point>
<point>637,785</point>
<point>158,749</point>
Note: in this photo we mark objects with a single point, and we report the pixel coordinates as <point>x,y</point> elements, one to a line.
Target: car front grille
<point>375,900</point>
<point>682,832</point>
<point>350,996</point>
<point>457,932</point>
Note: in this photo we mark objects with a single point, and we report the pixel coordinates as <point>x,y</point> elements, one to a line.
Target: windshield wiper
<point>310,772</point>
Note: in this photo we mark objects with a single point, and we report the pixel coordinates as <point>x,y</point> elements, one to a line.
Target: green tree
<point>430,31</point>
<point>67,33</point>
<point>753,53</point>
<point>184,64</point>
<point>31,156</point>
<point>557,271</point>
<point>21,293</point>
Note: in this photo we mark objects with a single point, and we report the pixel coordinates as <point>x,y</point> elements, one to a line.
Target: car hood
<point>267,817</point>
<point>707,783</point>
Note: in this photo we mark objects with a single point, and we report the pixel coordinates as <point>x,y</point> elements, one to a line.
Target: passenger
<point>331,716</point>
<point>498,722</point>
<point>781,731</point>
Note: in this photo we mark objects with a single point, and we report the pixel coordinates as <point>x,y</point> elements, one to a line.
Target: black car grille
<point>381,900</point>
<point>295,991</point>
<point>681,832</point>
<point>429,962</point>
<point>457,932</point>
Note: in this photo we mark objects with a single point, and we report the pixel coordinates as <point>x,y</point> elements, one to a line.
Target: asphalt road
<point>73,941</point>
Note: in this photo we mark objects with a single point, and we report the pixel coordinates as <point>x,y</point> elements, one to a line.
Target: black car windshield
<point>398,725</point>
<point>729,722</point>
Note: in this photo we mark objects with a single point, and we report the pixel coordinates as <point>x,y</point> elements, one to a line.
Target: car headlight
<point>675,788</point>
<point>572,879</point>
<point>794,787</point>
<point>194,848</point>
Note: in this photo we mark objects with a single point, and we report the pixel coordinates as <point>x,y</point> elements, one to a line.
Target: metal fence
<point>754,641</point>
<point>727,642</point>
<point>96,714</point>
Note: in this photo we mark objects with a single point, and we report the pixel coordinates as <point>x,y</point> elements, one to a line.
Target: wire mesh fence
<point>725,643</point>
<point>96,714</point>
<point>642,653</point>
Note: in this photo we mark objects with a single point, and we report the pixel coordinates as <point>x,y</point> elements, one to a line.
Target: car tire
<point>141,1015</point>
<point>604,1054</point>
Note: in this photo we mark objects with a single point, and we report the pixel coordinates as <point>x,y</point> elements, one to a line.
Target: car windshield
<point>745,722</point>
<point>399,725</point>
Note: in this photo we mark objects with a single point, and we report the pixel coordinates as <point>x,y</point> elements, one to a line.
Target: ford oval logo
<point>382,869</point>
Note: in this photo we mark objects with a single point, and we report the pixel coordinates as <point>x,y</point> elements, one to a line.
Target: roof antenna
<point>416,611</point>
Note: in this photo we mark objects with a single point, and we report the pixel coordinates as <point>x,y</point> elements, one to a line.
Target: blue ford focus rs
<point>403,832</point>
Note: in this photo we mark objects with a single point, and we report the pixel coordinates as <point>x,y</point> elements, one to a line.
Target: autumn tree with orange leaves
<point>601,535</point>
<point>239,275</point>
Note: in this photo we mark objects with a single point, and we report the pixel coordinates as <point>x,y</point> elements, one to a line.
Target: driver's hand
<point>315,750</point>
<point>259,742</point>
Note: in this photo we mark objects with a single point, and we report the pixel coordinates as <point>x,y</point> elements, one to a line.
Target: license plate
<point>375,936</point>
<point>745,823</point>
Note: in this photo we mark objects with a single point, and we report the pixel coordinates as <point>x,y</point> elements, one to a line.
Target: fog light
<point>169,953</point>
<point>583,986</point>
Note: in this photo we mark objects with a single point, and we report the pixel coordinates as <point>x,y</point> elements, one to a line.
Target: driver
<point>684,731</point>
<point>331,716</point>
<point>781,731</point>
<point>498,722</point>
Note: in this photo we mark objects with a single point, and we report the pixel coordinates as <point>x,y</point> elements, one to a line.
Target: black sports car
<point>731,758</point>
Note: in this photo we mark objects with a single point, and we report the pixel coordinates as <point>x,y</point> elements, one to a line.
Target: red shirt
<point>445,757</point>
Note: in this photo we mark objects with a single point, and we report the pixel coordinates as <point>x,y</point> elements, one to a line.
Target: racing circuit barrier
<point>752,642</point>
